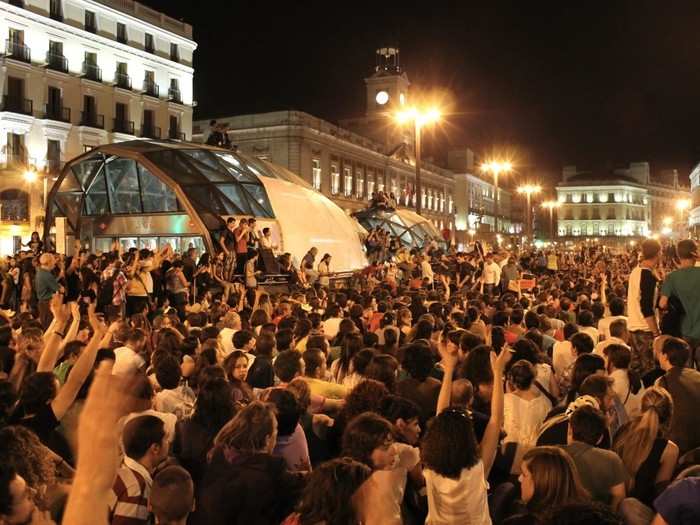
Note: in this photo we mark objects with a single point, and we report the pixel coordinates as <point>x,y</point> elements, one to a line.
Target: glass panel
<point>128,243</point>
<point>155,194</point>
<point>236,168</point>
<point>103,244</point>
<point>174,242</point>
<point>193,242</point>
<point>406,238</point>
<point>150,243</point>
<point>96,197</point>
<point>85,169</point>
<point>55,211</point>
<point>418,232</point>
<point>123,185</point>
<point>70,204</point>
<point>70,183</point>
<point>207,197</point>
<point>176,166</point>
<point>260,195</point>
<point>206,163</point>
<point>236,195</point>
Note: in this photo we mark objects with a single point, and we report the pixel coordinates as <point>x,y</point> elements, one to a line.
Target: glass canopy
<point>147,178</point>
<point>413,230</point>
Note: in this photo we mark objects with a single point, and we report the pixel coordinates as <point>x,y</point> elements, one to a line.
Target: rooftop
<point>145,13</point>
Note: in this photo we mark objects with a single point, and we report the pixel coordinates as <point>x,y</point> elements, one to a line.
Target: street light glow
<point>30,176</point>
<point>683,204</point>
<point>667,221</point>
<point>428,116</point>
<point>496,167</point>
<point>666,230</point>
<point>551,204</point>
<point>529,189</point>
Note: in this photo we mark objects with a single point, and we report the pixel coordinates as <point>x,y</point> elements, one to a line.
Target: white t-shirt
<point>562,356</point>
<point>127,361</point>
<point>331,326</point>
<point>600,347</point>
<point>461,500</point>
<point>226,339</point>
<point>605,322</point>
<point>522,417</point>
<point>379,498</point>
<point>631,401</point>
<point>590,330</point>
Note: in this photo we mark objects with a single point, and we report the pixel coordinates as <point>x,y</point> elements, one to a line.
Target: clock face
<point>382,97</point>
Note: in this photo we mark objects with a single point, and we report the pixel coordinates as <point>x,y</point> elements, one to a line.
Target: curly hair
<point>327,497</point>
<point>21,449</point>
<point>449,444</point>
<point>365,433</point>
<point>365,397</point>
<point>249,429</point>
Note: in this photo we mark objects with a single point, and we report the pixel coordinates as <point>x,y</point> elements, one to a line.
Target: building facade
<point>77,74</point>
<point>694,212</point>
<point>619,203</point>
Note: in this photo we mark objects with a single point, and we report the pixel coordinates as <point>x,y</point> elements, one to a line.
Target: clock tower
<point>387,87</point>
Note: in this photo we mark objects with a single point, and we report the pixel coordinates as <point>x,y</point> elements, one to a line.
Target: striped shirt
<point>128,499</point>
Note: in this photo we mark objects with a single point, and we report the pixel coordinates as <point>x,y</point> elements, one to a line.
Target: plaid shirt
<point>128,499</point>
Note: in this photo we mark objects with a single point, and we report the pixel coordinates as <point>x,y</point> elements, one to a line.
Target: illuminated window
<point>335,180</point>
<point>316,174</point>
<point>359,183</point>
<point>347,179</point>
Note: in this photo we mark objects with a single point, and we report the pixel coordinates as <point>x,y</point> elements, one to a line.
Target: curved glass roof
<point>411,229</point>
<point>119,179</point>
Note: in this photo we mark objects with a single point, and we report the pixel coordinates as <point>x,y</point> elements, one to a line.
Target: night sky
<point>599,83</point>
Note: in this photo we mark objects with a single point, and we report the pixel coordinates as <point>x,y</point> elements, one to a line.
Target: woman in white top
<point>525,407</point>
<point>628,386</point>
<point>324,270</point>
<point>455,466</point>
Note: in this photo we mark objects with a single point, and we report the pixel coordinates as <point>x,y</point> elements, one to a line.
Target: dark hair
<point>287,365</point>
<point>352,343</point>
<point>522,374</point>
<point>327,496</point>
<point>37,390</point>
<point>570,329</point>
<point>584,514</point>
<point>241,338</point>
<point>468,341</point>
<point>650,248</point>
<point>582,343</point>
<point>365,397</point>
<point>516,316</point>
<point>363,434</point>
<point>584,366</point>
<point>313,360</point>
<point>617,306</point>
<point>362,360</point>
<point>418,360</point>
<point>676,351</point>
<point>230,363</point>
<point>284,337</point>
<point>172,494</point>
<point>7,476</point>
<point>525,348</point>
<point>532,320</point>
<point>286,409</point>
<point>618,328</point>
<point>168,372</point>
<point>214,405</point>
<point>265,344</point>
<point>477,366</point>
<point>382,367</point>
<point>449,445</point>
<point>423,330</point>
<point>596,385</point>
<point>619,356</point>
<point>397,407</point>
<point>587,425</point>
<point>585,318</point>
<point>140,433</point>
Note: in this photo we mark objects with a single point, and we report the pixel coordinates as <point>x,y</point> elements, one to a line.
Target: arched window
<point>14,205</point>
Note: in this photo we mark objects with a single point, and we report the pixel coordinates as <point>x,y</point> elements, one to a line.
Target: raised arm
<point>449,363</point>
<point>489,443</point>
<point>52,341</point>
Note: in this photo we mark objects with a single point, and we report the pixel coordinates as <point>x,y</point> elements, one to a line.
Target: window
<point>359,183</point>
<point>335,180</point>
<point>122,124</point>
<point>90,21</point>
<point>53,156</point>
<point>121,33</point>
<point>149,44</point>
<point>16,152</point>
<point>123,186</point>
<point>149,84</point>
<point>121,77</point>
<point>90,68</point>
<point>14,205</point>
<point>370,184</point>
<point>15,47</point>
<point>316,174</point>
<point>174,128</point>
<point>174,90</point>
<point>174,53</point>
<point>347,178</point>
<point>56,10</point>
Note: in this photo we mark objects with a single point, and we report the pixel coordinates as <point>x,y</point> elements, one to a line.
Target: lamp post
<point>528,190</point>
<point>419,118</point>
<point>681,206</point>
<point>551,205</point>
<point>496,168</point>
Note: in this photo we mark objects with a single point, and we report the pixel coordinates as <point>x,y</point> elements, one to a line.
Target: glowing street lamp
<point>528,190</point>
<point>31,176</point>
<point>419,118</point>
<point>681,206</point>
<point>667,221</point>
<point>496,167</point>
<point>551,205</point>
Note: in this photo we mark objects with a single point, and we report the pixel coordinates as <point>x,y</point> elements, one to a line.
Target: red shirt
<point>242,243</point>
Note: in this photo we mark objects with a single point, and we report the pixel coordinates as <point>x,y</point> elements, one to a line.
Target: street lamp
<point>496,167</point>
<point>681,206</point>
<point>31,176</point>
<point>551,205</point>
<point>419,118</point>
<point>528,190</point>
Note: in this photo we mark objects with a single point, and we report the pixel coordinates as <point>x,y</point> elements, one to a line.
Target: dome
<point>149,193</point>
<point>413,230</point>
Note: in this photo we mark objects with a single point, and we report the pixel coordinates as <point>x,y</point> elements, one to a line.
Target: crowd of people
<point>436,387</point>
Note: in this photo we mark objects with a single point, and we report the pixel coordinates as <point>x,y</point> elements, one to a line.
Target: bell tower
<point>387,87</point>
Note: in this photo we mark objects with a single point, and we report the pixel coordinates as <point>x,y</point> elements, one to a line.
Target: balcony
<point>150,132</point>
<point>92,72</point>
<point>91,26</point>
<point>176,134</point>
<point>56,112</point>
<point>174,95</point>
<point>18,51</point>
<point>56,14</point>
<point>17,104</point>
<point>57,62</point>
<point>150,88</point>
<point>123,126</point>
<point>17,3</point>
<point>92,120</point>
<point>122,80</point>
